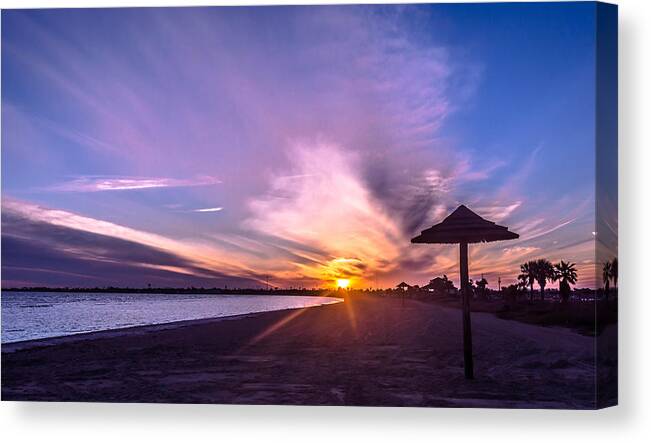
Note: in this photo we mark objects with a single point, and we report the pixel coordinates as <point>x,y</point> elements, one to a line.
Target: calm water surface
<point>31,315</point>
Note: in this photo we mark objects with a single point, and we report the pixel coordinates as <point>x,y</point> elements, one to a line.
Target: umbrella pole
<point>465,297</point>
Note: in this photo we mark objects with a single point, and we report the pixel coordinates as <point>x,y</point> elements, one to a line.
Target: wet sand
<point>368,352</point>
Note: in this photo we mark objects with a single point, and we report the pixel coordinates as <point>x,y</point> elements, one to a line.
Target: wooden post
<point>465,297</point>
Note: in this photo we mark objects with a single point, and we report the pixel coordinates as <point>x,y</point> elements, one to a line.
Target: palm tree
<point>606,274</point>
<point>543,271</point>
<point>566,273</point>
<point>613,272</point>
<point>481,286</point>
<point>527,276</point>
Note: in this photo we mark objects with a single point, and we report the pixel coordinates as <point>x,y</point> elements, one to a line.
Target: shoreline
<point>154,327</point>
<point>133,330</point>
<point>362,352</point>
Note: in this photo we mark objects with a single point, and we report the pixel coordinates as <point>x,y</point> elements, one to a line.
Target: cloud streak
<point>101,184</point>
<point>216,209</point>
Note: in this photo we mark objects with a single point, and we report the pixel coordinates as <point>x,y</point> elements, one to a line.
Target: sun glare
<point>343,283</point>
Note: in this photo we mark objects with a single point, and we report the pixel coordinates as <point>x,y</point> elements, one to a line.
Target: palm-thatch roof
<point>464,226</point>
<point>402,285</point>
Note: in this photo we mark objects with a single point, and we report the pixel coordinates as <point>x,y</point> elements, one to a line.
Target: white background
<point>631,421</point>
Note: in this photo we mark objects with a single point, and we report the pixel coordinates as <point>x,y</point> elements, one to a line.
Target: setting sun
<point>343,283</point>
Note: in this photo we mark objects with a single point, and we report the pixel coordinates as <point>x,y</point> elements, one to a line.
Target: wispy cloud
<point>498,212</point>
<point>515,183</point>
<point>107,183</point>
<point>216,209</point>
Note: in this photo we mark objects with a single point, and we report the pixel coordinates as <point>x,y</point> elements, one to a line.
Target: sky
<point>228,146</point>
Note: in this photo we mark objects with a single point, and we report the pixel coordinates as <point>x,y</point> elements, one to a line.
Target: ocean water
<point>32,315</point>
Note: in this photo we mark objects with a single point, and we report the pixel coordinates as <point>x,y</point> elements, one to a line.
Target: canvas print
<point>346,205</point>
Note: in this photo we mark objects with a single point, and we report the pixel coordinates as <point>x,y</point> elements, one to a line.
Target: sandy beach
<point>367,351</point>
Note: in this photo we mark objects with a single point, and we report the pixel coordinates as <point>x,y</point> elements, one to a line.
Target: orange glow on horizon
<point>343,283</point>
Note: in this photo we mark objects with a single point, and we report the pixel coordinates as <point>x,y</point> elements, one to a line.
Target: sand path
<point>369,351</point>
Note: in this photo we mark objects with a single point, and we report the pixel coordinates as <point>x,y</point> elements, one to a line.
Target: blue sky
<point>304,143</point>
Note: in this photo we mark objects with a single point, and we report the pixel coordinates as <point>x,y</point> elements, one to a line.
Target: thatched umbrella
<point>464,226</point>
<point>403,286</point>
